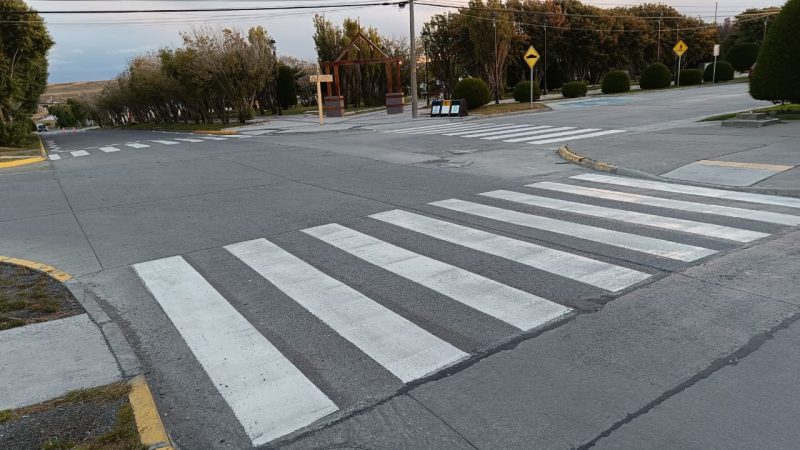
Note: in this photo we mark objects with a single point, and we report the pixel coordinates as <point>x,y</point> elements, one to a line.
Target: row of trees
<point>24,43</point>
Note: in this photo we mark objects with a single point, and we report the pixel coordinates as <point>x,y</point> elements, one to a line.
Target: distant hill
<point>60,92</point>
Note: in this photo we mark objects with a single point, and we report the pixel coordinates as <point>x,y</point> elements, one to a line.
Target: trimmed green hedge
<point>474,90</point>
<point>690,77</point>
<point>615,81</point>
<point>574,89</point>
<point>742,56</point>
<point>655,76</point>
<point>724,72</point>
<point>776,77</point>
<point>522,92</point>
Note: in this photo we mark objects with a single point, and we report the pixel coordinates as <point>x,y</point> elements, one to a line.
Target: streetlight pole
<point>275,58</point>
<point>427,86</point>
<point>544,91</point>
<point>658,46</point>
<point>496,76</point>
<point>413,34</point>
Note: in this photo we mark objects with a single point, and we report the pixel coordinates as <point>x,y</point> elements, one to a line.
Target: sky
<point>97,47</point>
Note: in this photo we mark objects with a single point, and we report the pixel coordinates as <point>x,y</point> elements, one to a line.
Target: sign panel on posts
<point>680,48</point>
<point>531,57</point>
<point>716,49</point>
<point>320,78</point>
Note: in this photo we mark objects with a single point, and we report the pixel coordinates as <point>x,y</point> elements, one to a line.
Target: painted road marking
<point>510,133</point>
<point>189,140</point>
<point>575,138</point>
<point>727,211</point>
<point>78,153</point>
<point>518,308</point>
<point>428,127</point>
<point>508,138</point>
<point>692,190</point>
<point>575,267</point>
<point>54,157</point>
<point>109,149</point>
<point>496,128</point>
<point>642,244</point>
<point>137,145</point>
<point>165,142</point>
<point>266,392</point>
<point>239,136</point>
<point>552,135</point>
<point>743,165</point>
<point>623,215</point>
<point>213,138</point>
<point>461,127</point>
<point>406,350</point>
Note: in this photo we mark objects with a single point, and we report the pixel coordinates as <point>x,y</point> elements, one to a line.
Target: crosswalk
<point>57,154</point>
<point>509,132</point>
<point>270,387</point>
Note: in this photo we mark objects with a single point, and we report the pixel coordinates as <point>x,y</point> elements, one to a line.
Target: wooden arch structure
<point>334,102</point>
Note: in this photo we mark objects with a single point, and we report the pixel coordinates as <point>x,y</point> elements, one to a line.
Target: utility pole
<point>496,77</point>
<point>426,36</point>
<point>544,91</point>
<point>275,57</point>
<point>766,19</point>
<point>413,34</point>
<point>658,47</point>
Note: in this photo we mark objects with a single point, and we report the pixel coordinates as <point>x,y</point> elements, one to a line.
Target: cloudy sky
<point>96,47</point>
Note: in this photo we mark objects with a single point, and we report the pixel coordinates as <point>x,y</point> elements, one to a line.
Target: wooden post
<point>389,82</point>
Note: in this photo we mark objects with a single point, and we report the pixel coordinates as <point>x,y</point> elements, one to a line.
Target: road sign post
<point>531,58</point>
<point>714,70</point>
<point>679,49</point>
<point>319,79</point>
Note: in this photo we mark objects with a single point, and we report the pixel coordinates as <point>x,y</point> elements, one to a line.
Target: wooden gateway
<point>334,104</point>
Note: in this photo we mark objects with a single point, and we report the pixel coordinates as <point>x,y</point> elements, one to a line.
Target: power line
<point>201,10</point>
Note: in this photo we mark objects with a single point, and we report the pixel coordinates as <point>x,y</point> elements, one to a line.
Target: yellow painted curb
<point>575,158</point>
<point>151,429</point>
<point>21,162</point>
<point>41,147</point>
<point>219,132</point>
<point>49,270</point>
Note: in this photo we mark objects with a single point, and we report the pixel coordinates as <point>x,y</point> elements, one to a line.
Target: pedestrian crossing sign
<point>680,48</point>
<point>531,57</point>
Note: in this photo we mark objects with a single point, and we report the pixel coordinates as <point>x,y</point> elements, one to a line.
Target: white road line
<point>520,309</point>
<point>505,138</point>
<point>406,350</point>
<point>552,135</point>
<point>266,392</point>
<point>109,149</point>
<point>622,215</point>
<point>54,157</point>
<point>575,267</point>
<point>466,127</point>
<point>428,127</point>
<point>239,136</point>
<point>692,190</point>
<point>509,133</point>
<point>213,138</point>
<point>575,138</point>
<point>189,140</point>
<point>727,211</point>
<point>642,244</point>
<point>136,145</point>
<point>78,153</point>
<point>498,128</point>
<point>165,142</point>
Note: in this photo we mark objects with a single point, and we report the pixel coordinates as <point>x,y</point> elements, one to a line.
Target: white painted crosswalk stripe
<point>427,127</point>
<point>576,137</point>
<point>521,137</point>
<point>642,244</point>
<point>727,211</point>
<point>515,307</point>
<point>406,350</point>
<point>495,129</point>
<point>109,149</point>
<point>520,132</point>
<point>510,129</point>
<point>239,136</point>
<point>552,135</point>
<point>692,190</point>
<point>137,145</point>
<point>465,127</point>
<point>213,138</point>
<point>268,394</point>
<point>622,215</point>
<point>78,153</point>
<point>54,157</point>
<point>189,140</point>
<point>579,268</point>
<point>165,142</point>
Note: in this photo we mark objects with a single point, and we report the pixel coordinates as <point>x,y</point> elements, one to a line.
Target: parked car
<point>41,127</point>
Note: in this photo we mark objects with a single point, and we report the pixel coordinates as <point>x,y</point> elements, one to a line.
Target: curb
<point>216,132</point>
<point>27,161</point>
<point>601,166</point>
<point>148,421</point>
<point>48,270</point>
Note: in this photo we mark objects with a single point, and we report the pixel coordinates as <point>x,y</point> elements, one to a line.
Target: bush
<point>655,76</point>
<point>724,72</point>
<point>691,77</point>
<point>15,134</point>
<point>555,76</point>
<point>615,81</point>
<point>574,89</point>
<point>522,92</point>
<point>742,56</point>
<point>776,77</point>
<point>474,90</point>
<point>287,94</point>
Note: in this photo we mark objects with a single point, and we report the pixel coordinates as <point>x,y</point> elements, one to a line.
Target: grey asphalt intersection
<point>299,329</point>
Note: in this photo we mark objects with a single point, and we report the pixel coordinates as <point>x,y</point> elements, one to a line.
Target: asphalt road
<point>217,255</point>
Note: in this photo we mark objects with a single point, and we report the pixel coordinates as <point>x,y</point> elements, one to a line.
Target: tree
<point>742,56</point>
<point>483,23</point>
<point>776,77</point>
<point>24,43</point>
<point>287,94</point>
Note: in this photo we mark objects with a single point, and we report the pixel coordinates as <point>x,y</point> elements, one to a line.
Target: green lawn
<point>29,149</point>
<point>783,112</point>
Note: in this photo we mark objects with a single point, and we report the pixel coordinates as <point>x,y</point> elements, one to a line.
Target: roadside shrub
<point>574,89</point>
<point>691,77</point>
<point>655,76</point>
<point>776,77</point>
<point>474,90</point>
<point>16,133</point>
<point>742,56</point>
<point>724,72</point>
<point>522,92</point>
<point>555,76</point>
<point>615,81</point>
<point>287,94</point>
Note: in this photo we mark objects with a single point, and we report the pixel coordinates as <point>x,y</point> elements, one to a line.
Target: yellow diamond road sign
<point>680,48</point>
<point>531,57</point>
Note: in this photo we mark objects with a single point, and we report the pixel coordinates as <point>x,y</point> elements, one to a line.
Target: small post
<point>531,97</point>
<point>319,99</point>
<point>679,71</point>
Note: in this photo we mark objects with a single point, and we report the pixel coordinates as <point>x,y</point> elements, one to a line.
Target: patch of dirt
<point>28,296</point>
